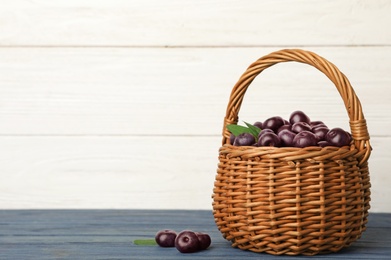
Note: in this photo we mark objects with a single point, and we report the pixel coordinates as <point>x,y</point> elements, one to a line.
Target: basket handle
<point>357,121</point>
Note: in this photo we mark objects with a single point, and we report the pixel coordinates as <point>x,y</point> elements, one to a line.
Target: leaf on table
<point>145,242</point>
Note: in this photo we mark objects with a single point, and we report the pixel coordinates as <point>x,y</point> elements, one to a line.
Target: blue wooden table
<point>110,234</point>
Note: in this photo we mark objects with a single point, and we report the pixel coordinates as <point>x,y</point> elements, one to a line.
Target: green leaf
<point>254,130</point>
<point>145,242</point>
<point>238,129</point>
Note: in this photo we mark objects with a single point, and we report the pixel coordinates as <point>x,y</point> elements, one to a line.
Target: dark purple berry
<point>165,238</point>
<point>338,137</point>
<point>284,127</point>
<point>304,139</point>
<point>204,240</point>
<point>232,138</point>
<point>273,123</point>
<point>187,242</point>
<point>244,139</point>
<point>258,124</point>
<point>269,139</point>
<point>318,126</point>
<point>300,127</point>
<point>286,138</point>
<point>323,143</point>
<point>350,135</point>
<point>320,132</point>
<point>264,131</point>
<point>299,116</point>
<point>314,123</point>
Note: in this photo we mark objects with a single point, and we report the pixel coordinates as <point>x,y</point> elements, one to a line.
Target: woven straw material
<point>290,200</point>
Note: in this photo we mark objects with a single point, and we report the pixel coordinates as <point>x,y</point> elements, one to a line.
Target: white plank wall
<point>120,104</point>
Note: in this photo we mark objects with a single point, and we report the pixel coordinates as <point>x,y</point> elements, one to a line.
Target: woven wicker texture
<point>293,200</point>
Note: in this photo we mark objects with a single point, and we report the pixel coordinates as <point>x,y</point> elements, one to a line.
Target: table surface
<point>110,234</point>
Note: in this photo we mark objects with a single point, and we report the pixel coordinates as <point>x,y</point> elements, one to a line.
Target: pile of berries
<point>298,131</point>
<point>186,241</point>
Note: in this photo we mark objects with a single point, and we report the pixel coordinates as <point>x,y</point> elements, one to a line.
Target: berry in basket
<point>299,132</point>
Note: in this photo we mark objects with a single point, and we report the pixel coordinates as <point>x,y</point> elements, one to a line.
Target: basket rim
<point>311,153</point>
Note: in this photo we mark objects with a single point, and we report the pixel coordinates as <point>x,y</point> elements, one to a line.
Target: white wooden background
<point>120,104</point>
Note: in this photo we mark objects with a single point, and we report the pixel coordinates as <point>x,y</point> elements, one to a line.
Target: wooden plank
<point>130,172</point>
<point>107,172</point>
<point>109,234</point>
<point>189,23</point>
<point>174,91</point>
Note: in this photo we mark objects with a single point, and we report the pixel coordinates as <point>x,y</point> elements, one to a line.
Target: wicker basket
<point>290,200</point>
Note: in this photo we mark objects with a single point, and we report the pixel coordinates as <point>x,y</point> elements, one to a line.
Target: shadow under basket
<point>287,200</point>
